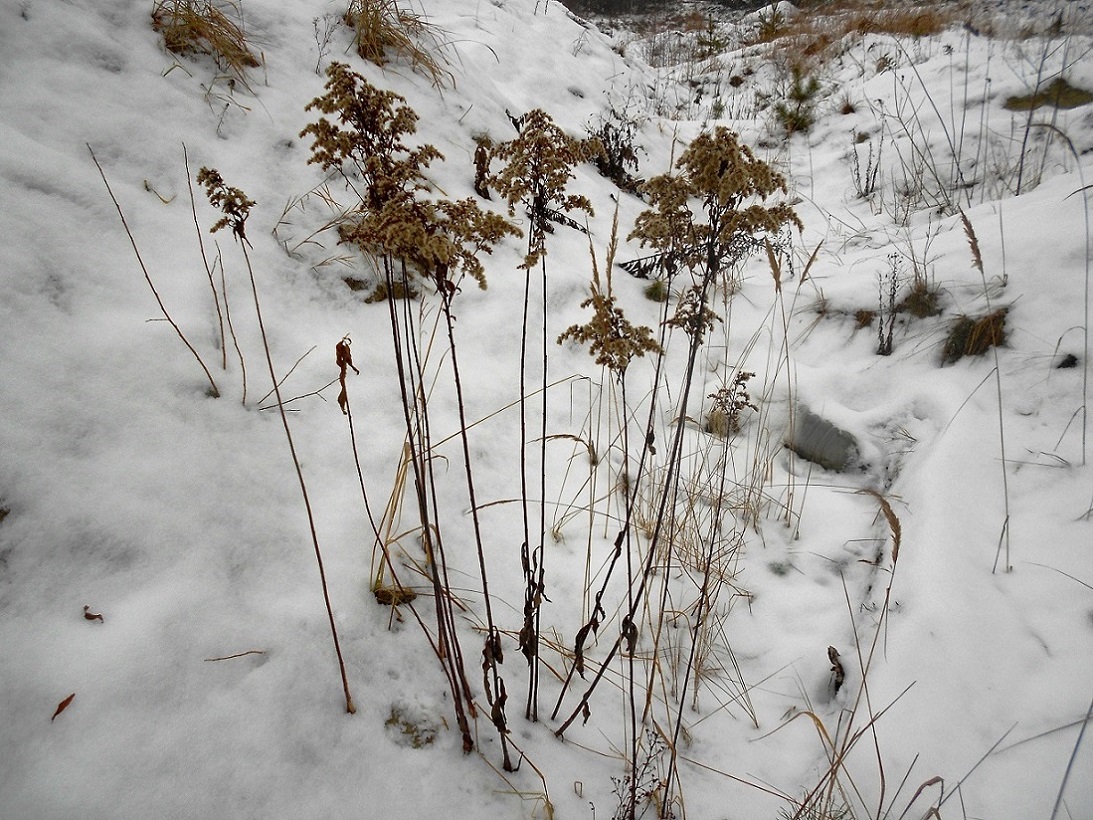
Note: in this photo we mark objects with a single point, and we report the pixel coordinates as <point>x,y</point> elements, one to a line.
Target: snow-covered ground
<point>209,686</point>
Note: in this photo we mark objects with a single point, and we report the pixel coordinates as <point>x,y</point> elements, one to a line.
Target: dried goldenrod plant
<point>729,402</point>
<point>368,135</point>
<point>440,242</point>
<point>537,168</point>
<point>612,340</point>
<point>704,218</point>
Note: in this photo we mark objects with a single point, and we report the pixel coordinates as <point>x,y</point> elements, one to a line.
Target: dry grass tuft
<point>921,301</point>
<point>382,27</point>
<point>974,337</point>
<point>824,27</point>
<point>863,318</point>
<point>202,27</point>
<point>397,291</point>
<point>1058,94</point>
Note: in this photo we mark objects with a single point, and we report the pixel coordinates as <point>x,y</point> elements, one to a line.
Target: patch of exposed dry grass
<point>382,29</point>
<point>974,336</point>
<point>824,27</point>
<point>201,27</point>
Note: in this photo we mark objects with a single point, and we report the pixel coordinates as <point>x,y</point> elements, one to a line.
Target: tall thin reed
<point>214,391</point>
<point>1004,535</point>
<point>236,209</point>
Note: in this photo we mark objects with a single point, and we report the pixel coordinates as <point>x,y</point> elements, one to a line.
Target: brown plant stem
<point>205,260</point>
<point>670,483</point>
<point>349,706</point>
<point>491,654</point>
<point>447,645</point>
<point>214,390</point>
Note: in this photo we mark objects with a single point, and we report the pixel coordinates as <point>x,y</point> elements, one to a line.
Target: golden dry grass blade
<point>890,516</point>
<point>811,262</point>
<point>775,267</point>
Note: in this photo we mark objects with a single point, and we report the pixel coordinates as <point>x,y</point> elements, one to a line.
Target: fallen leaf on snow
<point>62,706</point>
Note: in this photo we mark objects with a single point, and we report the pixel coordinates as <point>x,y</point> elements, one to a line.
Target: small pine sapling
<point>617,160</point>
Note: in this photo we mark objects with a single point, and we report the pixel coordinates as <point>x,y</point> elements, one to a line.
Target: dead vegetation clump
<point>974,336</point>
<point>192,27</point>
<point>827,26</point>
<point>1058,94</point>
<point>382,28</point>
<point>922,300</point>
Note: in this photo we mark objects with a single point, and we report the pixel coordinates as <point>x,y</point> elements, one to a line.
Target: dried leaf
<point>837,671</point>
<point>630,635</point>
<point>775,268</point>
<point>62,706</point>
<point>344,358</point>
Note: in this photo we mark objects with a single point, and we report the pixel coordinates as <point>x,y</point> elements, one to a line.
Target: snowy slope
<point>210,689</point>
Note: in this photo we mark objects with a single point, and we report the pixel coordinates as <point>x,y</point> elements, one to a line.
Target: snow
<point>210,688</point>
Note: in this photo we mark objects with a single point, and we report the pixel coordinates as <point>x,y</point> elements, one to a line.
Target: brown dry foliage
<point>382,28</point>
<point>731,184</point>
<point>974,337</point>
<point>825,24</point>
<point>201,27</point>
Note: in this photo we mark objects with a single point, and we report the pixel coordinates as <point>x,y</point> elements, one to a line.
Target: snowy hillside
<point>782,574</point>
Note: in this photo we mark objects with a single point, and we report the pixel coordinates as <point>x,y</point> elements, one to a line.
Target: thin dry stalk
<point>219,263</point>
<point>995,320</point>
<point>214,391</point>
<point>205,260</point>
<point>236,208</point>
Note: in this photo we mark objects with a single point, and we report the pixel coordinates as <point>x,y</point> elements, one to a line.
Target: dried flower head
<point>232,201</point>
<point>439,240</point>
<point>692,315</point>
<point>730,186</point>
<point>368,135</point>
<point>538,166</point>
<point>611,338</point>
<point>730,401</point>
